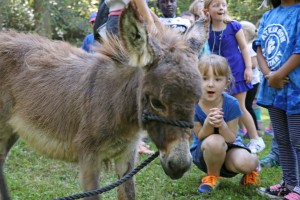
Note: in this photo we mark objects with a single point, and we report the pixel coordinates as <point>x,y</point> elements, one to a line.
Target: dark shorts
<point>200,163</point>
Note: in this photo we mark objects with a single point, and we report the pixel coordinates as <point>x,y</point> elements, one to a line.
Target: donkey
<point>88,108</point>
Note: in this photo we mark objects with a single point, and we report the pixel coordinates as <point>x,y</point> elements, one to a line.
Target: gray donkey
<point>89,108</point>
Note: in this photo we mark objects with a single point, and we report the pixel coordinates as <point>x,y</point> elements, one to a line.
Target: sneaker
<point>246,136</point>
<point>269,131</point>
<point>251,179</point>
<point>242,131</point>
<point>256,145</point>
<point>294,195</point>
<point>208,184</point>
<point>277,191</point>
<point>269,162</point>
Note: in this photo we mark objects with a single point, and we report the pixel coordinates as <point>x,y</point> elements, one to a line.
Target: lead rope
<point>145,118</point>
<point>112,185</point>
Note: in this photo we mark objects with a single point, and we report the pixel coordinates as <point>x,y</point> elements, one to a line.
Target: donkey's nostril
<point>171,165</point>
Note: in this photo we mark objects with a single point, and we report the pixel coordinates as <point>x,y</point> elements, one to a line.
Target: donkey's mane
<point>168,40</point>
<point>112,48</point>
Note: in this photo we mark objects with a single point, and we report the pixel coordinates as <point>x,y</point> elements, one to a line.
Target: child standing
<point>278,54</point>
<point>216,148</point>
<point>250,32</point>
<point>89,40</point>
<point>226,38</point>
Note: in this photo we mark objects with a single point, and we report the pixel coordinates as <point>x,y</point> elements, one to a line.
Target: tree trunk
<point>42,18</point>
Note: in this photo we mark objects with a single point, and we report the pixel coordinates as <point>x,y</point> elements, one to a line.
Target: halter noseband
<point>153,117</point>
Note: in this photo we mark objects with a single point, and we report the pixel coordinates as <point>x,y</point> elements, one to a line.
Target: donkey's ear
<point>198,33</point>
<point>134,36</point>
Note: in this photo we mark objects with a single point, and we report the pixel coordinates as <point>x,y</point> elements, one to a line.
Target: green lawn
<point>32,176</point>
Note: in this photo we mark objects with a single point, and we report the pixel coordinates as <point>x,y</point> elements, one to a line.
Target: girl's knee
<point>214,143</point>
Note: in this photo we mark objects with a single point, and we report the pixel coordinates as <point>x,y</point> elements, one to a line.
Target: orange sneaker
<point>251,179</point>
<point>208,184</point>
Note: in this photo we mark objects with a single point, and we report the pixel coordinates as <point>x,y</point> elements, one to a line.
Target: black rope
<point>154,117</point>
<point>113,185</point>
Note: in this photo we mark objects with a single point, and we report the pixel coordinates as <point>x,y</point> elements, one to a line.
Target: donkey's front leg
<point>124,165</point>
<point>89,174</point>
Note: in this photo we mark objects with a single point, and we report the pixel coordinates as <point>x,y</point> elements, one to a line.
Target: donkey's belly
<point>42,141</point>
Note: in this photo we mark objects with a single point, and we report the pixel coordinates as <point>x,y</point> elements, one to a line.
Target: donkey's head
<point>170,85</point>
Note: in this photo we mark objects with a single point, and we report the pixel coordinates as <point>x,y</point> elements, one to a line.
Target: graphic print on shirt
<point>276,38</point>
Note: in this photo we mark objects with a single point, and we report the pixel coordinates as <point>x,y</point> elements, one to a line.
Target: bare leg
<point>214,152</point>
<point>246,118</point>
<point>239,160</point>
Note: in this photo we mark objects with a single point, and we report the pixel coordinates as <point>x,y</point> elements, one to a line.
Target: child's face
<point>213,86</point>
<point>217,9</point>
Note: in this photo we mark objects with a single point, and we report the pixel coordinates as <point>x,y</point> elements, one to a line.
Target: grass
<point>31,176</point>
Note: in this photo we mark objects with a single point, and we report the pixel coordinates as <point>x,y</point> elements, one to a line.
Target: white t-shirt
<point>178,23</point>
<point>256,72</point>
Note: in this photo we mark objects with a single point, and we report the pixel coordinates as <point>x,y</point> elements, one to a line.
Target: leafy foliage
<point>68,19</point>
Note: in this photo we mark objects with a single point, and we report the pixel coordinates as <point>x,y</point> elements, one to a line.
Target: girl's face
<point>217,9</point>
<point>213,86</point>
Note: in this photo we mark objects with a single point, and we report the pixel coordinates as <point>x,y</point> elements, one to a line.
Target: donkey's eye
<point>157,105</point>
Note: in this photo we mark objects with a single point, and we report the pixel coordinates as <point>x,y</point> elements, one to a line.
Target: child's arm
<point>279,78</point>
<point>146,14</point>
<point>262,63</point>
<point>203,131</point>
<point>215,120</point>
<point>229,130</point>
<point>240,37</point>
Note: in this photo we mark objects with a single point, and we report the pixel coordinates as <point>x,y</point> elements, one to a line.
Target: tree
<point>68,19</point>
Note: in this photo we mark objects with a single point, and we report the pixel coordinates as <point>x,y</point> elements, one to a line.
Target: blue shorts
<point>198,159</point>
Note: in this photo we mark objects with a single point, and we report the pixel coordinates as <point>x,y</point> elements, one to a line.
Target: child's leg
<point>249,102</point>
<point>287,128</point>
<point>239,160</point>
<point>214,151</point>
<point>294,133</point>
<point>246,117</point>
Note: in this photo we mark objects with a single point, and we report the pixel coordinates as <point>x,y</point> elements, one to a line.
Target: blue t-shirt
<point>225,44</point>
<point>88,42</point>
<point>278,36</point>
<point>230,108</point>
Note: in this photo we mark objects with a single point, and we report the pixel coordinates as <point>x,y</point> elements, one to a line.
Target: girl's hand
<point>215,117</point>
<point>248,76</point>
<point>276,81</point>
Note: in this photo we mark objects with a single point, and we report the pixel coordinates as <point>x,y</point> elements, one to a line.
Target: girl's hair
<point>197,8</point>
<point>250,28</point>
<point>275,3</point>
<point>219,66</point>
<point>226,19</point>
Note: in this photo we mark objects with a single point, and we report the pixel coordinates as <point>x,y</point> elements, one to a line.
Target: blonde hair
<point>226,18</point>
<point>250,28</point>
<point>219,65</point>
<point>197,8</point>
